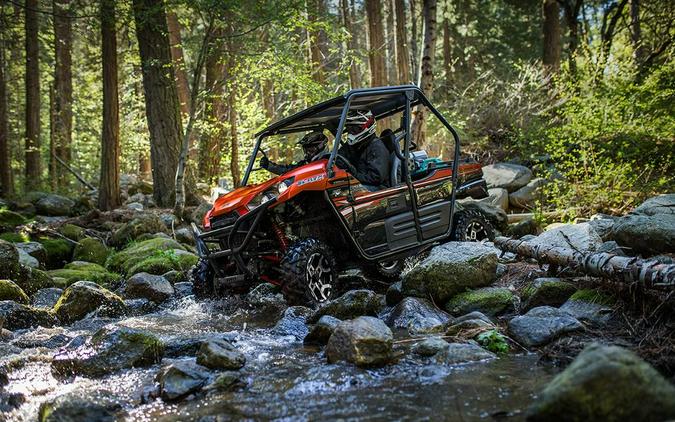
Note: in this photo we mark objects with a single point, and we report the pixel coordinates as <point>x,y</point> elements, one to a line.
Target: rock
<point>10,291</point>
<point>198,214</point>
<point>34,196</point>
<point>184,235</point>
<point>109,350</point>
<point>450,269</point>
<point>134,206</point>
<point>163,262</point>
<point>226,381</point>
<point>17,316</point>
<point>590,306</point>
<point>472,316</point>
<point>137,307</point>
<point>350,305</point>
<point>546,292</point>
<point>456,353</point>
<point>661,204</point>
<point>124,261</point>
<point>32,280</point>
<point>141,224</point>
<point>612,247</point>
<point>267,301</point>
<point>86,271</point>
<point>169,220</point>
<point>581,237</point>
<point>10,401</point>
<point>429,346</point>
<point>494,214</point>
<point>72,408</point>
<point>140,186</point>
<point>499,197</point>
<point>646,234</point>
<point>508,176</point>
<point>189,344</point>
<point>84,297</point>
<point>72,232</point>
<point>181,379</point>
<point>526,196</point>
<point>59,251</point>
<point>50,338</point>
<point>27,260</point>
<point>322,330</point>
<point>488,300</point>
<point>293,323</point>
<point>91,249</point>
<point>183,289</point>
<point>415,315</point>
<point>35,250</point>
<point>152,287</point>
<point>220,354</point>
<point>54,205</point>
<point>523,228</point>
<point>606,383</point>
<point>541,325</point>
<point>175,276</point>
<point>9,261</point>
<point>394,294</point>
<point>473,326</point>
<point>46,298</point>
<point>10,219</point>
<point>603,225</point>
<point>364,341</point>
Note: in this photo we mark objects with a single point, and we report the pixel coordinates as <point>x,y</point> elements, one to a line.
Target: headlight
<point>270,194</point>
<point>285,184</point>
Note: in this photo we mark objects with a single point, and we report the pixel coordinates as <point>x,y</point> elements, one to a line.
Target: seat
<point>389,139</point>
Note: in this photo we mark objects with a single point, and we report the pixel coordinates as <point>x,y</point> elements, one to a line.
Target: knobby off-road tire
<point>389,271</point>
<point>472,226</point>
<point>309,273</point>
<point>202,277</point>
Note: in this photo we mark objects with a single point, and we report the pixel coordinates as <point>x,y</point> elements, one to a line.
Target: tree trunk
<point>426,69</point>
<point>162,106</point>
<point>639,52</point>
<point>390,36</point>
<point>212,147</point>
<point>234,141</point>
<point>53,162</point>
<point>6,184</point>
<point>572,8</point>
<point>402,54</point>
<point>354,77</point>
<point>376,46</point>
<point>63,87</point>
<point>178,59</point>
<point>317,40</point>
<point>447,52</point>
<point>551,56</point>
<point>33,172</point>
<point>414,50</point>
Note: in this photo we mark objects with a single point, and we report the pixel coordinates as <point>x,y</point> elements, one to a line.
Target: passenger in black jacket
<point>366,152</point>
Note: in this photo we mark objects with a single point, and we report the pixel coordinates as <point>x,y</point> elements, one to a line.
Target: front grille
<point>223,220</point>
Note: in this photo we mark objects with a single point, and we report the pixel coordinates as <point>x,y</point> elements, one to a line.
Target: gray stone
<point>226,381</point>
<point>183,289</point>
<point>499,197</point>
<point>415,315</point>
<point>152,287</point>
<point>527,196</point>
<point>606,383</point>
<point>523,228</point>
<point>546,292</point>
<point>322,330</point>
<point>595,313</point>
<point>220,354</point>
<point>35,250</point>
<point>541,325</point>
<point>646,234</point>
<point>72,407</point>
<point>293,323</point>
<point>27,260</point>
<point>456,353</point>
<point>135,206</point>
<point>350,305</point>
<point>505,175</point>
<point>364,341</point>
<point>429,346</point>
<point>661,204</point>
<point>394,294</point>
<point>198,214</point>
<point>580,237</point>
<point>17,316</point>
<point>612,247</point>
<point>54,205</point>
<point>184,235</point>
<point>84,297</point>
<point>474,325</point>
<point>603,224</point>
<point>181,379</point>
<point>9,290</point>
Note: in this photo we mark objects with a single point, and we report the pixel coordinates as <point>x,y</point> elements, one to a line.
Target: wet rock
<point>456,353</point>
<point>523,228</point>
<point>27,260</point>
<point>137,307</point>
<point>293,322</point>
<point>267,301</point>
<point>183,289</point>
<point>9,290</point>
<point>54,205</point>
<point>124,261</point>
<point>546,292</point>
<point>9,261</point>
<point>394,294</point>
<point>85,271</point>
<point>450,269</point>
<point>322,330</point>
<point>589,305</point>
<point>429,346</point>
<point>46,298</point>
<point>91,249</point>
<point>50,338</point>
<point>661,204</point>
<point>18,316</point>
<point>35,250</point>
<point>219,354</point>
<point>10,401</point>
<point>72,232</point>
<point>59,251</point>
<point>606,383</point>
<point>31,280</point>
<point>152,287</point>
<point>10,219</point>
<point>189,345</point>
<point>141,224</point>
<point>526,196</point>
<point>581,237</point>
<point>72,408</point>
<point>109,350</point>
<point>488,300</point>
<point>84,297</point>
<point>175,276</point>
<point>184,235</point>
<point>226,381</point>
<point>505,175</point>
<point>364,341</point>
<point>469,327</point>
<point>415,315</point>
<point>180,379</point>
<point>541,325</point>
<point>350,305</point>
<point>646,234</point>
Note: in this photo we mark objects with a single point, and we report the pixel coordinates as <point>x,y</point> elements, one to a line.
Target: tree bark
<point>447,52</point>
<point>212,146</point>
<point>162,106</point>
<point>317,40</point>
<point>414,49</point>
<point>178,59</point>
<point>354,77</point>
<point>33,173</point>
<point>390,37</point>
<point>402,54</point>
<point>232,116</point>
<point>63,87</point>
<point>426,69</point>
<point>6,183</point>
<point>572,8</point>
<point>109,185</point>
<point>639,51</point>
<point>376,46</point>
<point>551,55</point>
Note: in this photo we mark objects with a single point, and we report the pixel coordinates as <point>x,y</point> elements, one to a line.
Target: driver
<point>368,156</point>
<point>313,145</point>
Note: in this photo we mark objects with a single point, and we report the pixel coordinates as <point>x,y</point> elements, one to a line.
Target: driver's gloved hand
<point>345,165</point>
<point>264,162</point>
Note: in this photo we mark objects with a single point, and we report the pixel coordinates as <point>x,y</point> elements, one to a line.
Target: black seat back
<point>389,139</point>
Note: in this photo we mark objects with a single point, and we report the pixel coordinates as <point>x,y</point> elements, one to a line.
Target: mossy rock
<point>593,296</point>
<point>14,237</point>
<point>59,251</point>
<point>9,261</point>
<point>92,250</point>
<point>144,223</point>
<point>165,261</point>
<point>32,280</point>
<point>72,232</point>
<point>546,292</point>
<point>10,219</point>
<point>489,300</point>
<point>122,262</point>
<point>10,291</point>
<point>34,196</point>
<point>89,271</point>
<point>84,297</point>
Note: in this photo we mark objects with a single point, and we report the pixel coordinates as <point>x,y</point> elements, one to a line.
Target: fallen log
<point>650,274</point>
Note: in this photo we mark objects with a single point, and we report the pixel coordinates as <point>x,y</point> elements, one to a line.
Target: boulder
<point>183,289</point>
<point>124,261</point>
<point>152,287</point>
<point>198,214</point>
<point>220,354</point>
<point>84,297</point>
<point>661,204</point>
<point>10,401</point>
<point>140,186</point>
<point>590,306</point>
<point>293,323</point>
<point>10,219</point>
<point>54,205</point>
<point>646,234</point>
<point>35,250</point>
<point>364,341</point>
<point>350,305</point>
<point>50,338</point>
<point>522,228</point>
<point>526,196</point>
<point>9,261</point>
<point>141,224</point>
<point>110,349</point>
<point>603,225</point>
<point>31,280</point>
<point>189,344</point>
<point>59,251</point>
<point>134,206</point>
<point>73,407</point>
<point>606,383</point>
<point>27,260</point>
<point>506,175</point>
<point>81,270</point>
<point>581,237</point>
<point>322,330</point>
<point>499,197</point>
<point>546,292</point>
<point>415,315</point>
<point>184,235</point>
<point>10,291</point>
<point>226,381</point>
<point>46,298</point>
<point>429,346</point>
<point>488,300</point>
<point>267,301</point>
<point>394,294</point>
<point>541,325</point>
<point>469,328</point>
<point>165,261</point>
<point>450,269</point>
<point>91,249</point>
<point>72,232</point>
<point>181,379</point>
<point>612,247</point>
<point>456,353</point>
<point>17,316</point>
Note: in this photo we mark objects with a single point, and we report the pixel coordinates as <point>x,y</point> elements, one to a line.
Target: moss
<point>164,261</point>
<point>79,270</point>
<point>146,223</point>
<point>81,298</point>
<point>92,250</point>
<point>10,219</point>
<point>592,296</point>
<point>489,300</point>
<point>11,291</point>
<point>126,259</point>
<point>32,280</point>
<point>71,231</point>
<point>58,251</point>
<point>546,292</point>
<point>15,237</point>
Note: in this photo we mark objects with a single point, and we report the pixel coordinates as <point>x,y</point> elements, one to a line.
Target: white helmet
<point>360,125</point>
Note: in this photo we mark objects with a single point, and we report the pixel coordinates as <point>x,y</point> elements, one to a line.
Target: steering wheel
<point>260,150</point>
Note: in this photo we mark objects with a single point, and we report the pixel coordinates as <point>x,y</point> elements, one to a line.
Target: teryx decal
<point>310,180</point>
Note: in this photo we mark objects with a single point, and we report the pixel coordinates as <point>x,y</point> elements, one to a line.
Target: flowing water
<point>286,381</point>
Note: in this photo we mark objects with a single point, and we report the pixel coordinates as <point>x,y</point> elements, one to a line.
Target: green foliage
<point>493,341</point>
<point>15,237</point>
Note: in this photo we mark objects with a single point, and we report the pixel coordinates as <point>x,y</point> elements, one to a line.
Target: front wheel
<point>202,276</point>
<point>309,273</point>
<point>472,226</point>
<point>385,270</point>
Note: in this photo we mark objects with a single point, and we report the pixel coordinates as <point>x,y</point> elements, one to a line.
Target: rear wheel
<point>472,226</point>
<point>202,276</point>
<point>309,273</point>
<point>385,270</point>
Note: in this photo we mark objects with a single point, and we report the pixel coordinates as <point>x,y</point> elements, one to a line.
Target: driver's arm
<point>279,169</point>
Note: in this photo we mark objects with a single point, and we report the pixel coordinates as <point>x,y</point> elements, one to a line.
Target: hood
<point>239,197</point>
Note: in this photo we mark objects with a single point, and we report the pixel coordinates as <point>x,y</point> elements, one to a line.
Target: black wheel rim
<point>319,276</point>
<point>388,265</point>
<point>475,232</point>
